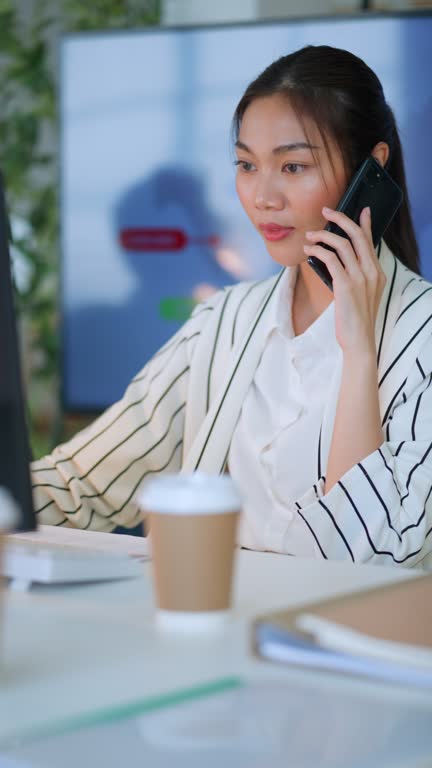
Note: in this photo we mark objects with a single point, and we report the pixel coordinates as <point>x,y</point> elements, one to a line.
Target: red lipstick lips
<point>274,232</point>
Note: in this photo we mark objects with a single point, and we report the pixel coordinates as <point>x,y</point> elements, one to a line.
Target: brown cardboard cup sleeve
<point>192,524</point>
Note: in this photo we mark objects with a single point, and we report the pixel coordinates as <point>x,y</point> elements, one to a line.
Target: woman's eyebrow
<point>282,149</point>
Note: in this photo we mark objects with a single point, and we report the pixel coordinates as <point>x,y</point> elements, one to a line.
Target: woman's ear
<point>381,153</point>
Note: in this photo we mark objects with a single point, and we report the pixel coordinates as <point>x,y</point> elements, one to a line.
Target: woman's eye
<point>294,167</point>
<point>243,165</point>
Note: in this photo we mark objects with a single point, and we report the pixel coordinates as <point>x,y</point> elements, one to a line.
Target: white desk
<point>71,650</point>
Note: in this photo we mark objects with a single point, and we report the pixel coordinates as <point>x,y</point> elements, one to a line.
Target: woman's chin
<point>286,257</point>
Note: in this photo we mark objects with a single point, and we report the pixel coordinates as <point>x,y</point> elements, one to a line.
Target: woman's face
<point>279,183</point>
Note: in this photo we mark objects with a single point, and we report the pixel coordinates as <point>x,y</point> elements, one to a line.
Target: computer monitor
<point>14,445</point>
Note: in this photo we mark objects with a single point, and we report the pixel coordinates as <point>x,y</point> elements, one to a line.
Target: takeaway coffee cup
<point>192,523</point>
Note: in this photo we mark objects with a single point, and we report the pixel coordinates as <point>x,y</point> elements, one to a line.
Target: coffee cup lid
<point>191,493</point>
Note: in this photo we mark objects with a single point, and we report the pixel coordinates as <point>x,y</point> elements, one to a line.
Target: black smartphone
<point>370,186</point>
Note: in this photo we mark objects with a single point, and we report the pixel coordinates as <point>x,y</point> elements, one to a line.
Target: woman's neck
<point>311,298</point>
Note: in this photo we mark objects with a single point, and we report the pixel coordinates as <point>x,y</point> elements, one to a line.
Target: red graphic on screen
<point>161,239</point>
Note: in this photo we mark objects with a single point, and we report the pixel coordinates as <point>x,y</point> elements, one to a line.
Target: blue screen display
<point>150,219</point>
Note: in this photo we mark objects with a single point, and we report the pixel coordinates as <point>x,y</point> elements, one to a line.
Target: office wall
<point>204,12</point>
<point>201,12</point>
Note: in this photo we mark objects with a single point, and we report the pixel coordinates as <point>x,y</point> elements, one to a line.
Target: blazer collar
<point>209,449</point>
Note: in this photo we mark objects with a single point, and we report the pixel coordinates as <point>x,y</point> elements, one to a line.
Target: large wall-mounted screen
<point>149,216</point>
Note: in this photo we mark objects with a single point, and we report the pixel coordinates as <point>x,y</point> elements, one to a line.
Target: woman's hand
<point>358,282</point>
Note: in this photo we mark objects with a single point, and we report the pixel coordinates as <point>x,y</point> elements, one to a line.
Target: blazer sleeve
<point>90,482</point>
<point>380,511</point>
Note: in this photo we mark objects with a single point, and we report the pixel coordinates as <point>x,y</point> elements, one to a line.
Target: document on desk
<point>249,725</point>
<point>384,633</point>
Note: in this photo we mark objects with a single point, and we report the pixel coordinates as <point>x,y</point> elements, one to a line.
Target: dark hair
<point>345,99</point>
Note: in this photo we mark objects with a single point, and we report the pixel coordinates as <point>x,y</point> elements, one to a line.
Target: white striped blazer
<point>179,414</point>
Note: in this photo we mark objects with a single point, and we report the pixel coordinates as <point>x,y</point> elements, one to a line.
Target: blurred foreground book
<point>383,633</point>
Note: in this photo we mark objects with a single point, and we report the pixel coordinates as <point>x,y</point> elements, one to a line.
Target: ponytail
<point>400,236</point>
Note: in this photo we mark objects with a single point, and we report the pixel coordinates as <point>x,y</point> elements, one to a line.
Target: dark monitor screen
<point>150,218</point>
<point>14,448</point>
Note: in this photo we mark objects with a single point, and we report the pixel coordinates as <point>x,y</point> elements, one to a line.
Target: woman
<point>318,403</point>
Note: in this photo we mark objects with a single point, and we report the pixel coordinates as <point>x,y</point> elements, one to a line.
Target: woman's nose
<point>267,196</point>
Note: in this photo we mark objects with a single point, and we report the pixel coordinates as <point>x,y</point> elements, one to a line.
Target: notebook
<point>385,632</point>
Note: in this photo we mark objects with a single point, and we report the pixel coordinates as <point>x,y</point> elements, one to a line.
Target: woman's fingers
<point>340,244</point>
<point>353,230</point>
<point>360,235</point>
<point>330,259</point>
<point>357,253</point>
<point>358,280</point>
